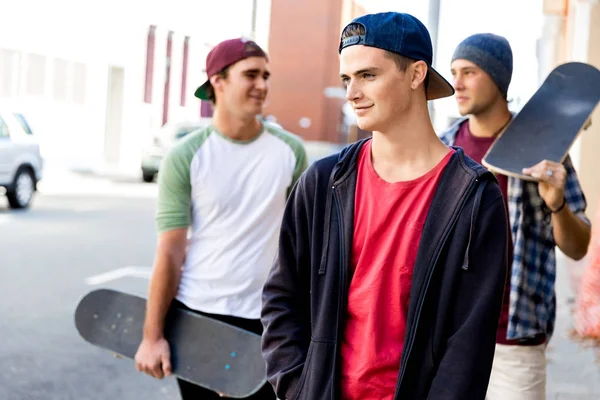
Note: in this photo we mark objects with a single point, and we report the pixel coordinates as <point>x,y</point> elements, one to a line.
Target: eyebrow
<point>362,71</point>
<point>256,71</point>
<point>463,69</point>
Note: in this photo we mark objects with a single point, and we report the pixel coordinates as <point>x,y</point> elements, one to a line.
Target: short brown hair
<point>356,29</point>
<point>211,91</point>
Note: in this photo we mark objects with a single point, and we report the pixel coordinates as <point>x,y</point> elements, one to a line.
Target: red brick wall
<point>303,44</point>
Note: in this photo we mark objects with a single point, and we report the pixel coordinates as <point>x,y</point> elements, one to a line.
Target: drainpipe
<point>433,25</point>
<point>254,5</point>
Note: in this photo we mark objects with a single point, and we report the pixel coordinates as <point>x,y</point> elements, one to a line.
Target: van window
<point>4,132</point>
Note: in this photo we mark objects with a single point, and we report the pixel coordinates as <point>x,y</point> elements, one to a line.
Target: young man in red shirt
<point>392,255</point>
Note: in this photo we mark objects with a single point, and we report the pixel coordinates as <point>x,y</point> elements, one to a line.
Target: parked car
<point>20,160</point>
<point>165,138</point>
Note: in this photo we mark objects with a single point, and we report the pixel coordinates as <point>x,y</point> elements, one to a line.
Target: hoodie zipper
<point>342,286</point>
<point>431,268</point>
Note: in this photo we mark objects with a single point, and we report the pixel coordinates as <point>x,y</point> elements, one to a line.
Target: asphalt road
<point>73,232</point>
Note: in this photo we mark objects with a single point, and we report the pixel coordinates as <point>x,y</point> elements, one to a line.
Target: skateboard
<point>204,351</point>
<point>549,123</point>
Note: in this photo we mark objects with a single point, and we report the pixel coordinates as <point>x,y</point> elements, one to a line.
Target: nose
<point>261,83</point>
<point>353,92</point>
<point>457,82</point>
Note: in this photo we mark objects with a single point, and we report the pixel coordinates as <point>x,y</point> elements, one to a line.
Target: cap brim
<point>202,91</point>
<point>437,86</point>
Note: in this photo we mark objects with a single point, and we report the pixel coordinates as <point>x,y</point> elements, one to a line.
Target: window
<point>149,64</point>
<point>4,132</point>
<point>8,59</point>
<point>168,59</point>
<point>59,84</point>
<point>23,122</point>
<point>184,69</point>
<point>79,81</point>
<point>36,72</point>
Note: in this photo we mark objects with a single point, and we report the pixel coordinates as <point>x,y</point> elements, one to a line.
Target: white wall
<point>100,34</point>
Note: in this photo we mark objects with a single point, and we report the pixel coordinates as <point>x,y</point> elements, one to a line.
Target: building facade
<point>305,89</point>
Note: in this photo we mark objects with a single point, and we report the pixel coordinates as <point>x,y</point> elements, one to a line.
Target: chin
<point>366,124</point>
<point>464,111</point>
<point>256,109</point>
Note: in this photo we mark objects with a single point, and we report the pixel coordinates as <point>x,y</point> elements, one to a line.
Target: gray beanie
<point>492,53</point>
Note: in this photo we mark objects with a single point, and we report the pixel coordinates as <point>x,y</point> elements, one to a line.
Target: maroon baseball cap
<point>225,54</point>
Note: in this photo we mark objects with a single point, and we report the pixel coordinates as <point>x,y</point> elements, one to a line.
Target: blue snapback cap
<point>405,35</point>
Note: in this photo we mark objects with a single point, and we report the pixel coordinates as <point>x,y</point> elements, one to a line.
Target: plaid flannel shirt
<point>533,274</point>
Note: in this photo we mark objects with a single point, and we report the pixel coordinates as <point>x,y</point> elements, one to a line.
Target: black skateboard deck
<point>549,123</point>
<point>204,351</point>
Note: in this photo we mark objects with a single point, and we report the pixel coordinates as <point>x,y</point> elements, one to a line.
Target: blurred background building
<point>98,79</point>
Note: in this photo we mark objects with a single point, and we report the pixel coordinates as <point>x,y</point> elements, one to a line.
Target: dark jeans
<point>190,391</point>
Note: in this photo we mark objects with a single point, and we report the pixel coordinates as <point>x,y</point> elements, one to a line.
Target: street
<point>46,254</point>
<point>85,232</point>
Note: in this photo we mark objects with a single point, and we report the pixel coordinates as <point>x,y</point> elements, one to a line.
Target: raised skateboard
<point>549,123</point>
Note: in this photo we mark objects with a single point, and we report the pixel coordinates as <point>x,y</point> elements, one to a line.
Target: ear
<point>216,81</point>
<point>419,72</point>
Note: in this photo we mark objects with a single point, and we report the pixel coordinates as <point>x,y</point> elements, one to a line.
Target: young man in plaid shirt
<point>542,215</point>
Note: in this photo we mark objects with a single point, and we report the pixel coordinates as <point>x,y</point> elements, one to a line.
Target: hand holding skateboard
<point>154,358</point>
<point>552,177</point>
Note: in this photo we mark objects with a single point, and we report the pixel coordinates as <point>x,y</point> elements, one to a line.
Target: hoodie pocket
<point>304,371</point>
<point>316,380</point>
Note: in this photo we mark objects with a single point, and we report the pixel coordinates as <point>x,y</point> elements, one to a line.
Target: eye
<point>367,75</point>
<point>345,81</point>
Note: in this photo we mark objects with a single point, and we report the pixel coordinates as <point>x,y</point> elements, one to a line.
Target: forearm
<point>163,288</point>
<point>571,234</point>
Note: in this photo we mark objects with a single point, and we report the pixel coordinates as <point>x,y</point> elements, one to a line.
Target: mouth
<point>362,109</point>
<point>258,98</point>
<point>461,99</point>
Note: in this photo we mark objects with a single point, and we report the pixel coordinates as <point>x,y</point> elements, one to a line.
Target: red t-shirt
<point>388,222</point>
<point>476,148</point>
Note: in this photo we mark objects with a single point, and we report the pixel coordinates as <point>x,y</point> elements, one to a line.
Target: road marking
<point>113,275</point>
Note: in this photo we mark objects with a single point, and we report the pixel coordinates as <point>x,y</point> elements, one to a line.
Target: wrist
<point>558,209</point>
<point>153,334</point>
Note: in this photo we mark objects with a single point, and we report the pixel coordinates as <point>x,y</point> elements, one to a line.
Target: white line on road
<point>136,272</point>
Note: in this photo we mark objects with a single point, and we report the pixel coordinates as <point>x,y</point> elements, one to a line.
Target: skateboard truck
<point>587,123</point>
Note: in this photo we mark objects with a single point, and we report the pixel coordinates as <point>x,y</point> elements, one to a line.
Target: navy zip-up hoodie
<point>455,298</point>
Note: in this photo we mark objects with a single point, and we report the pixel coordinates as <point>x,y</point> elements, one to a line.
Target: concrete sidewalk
<point>60,180</point>
<point>573,368</point>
